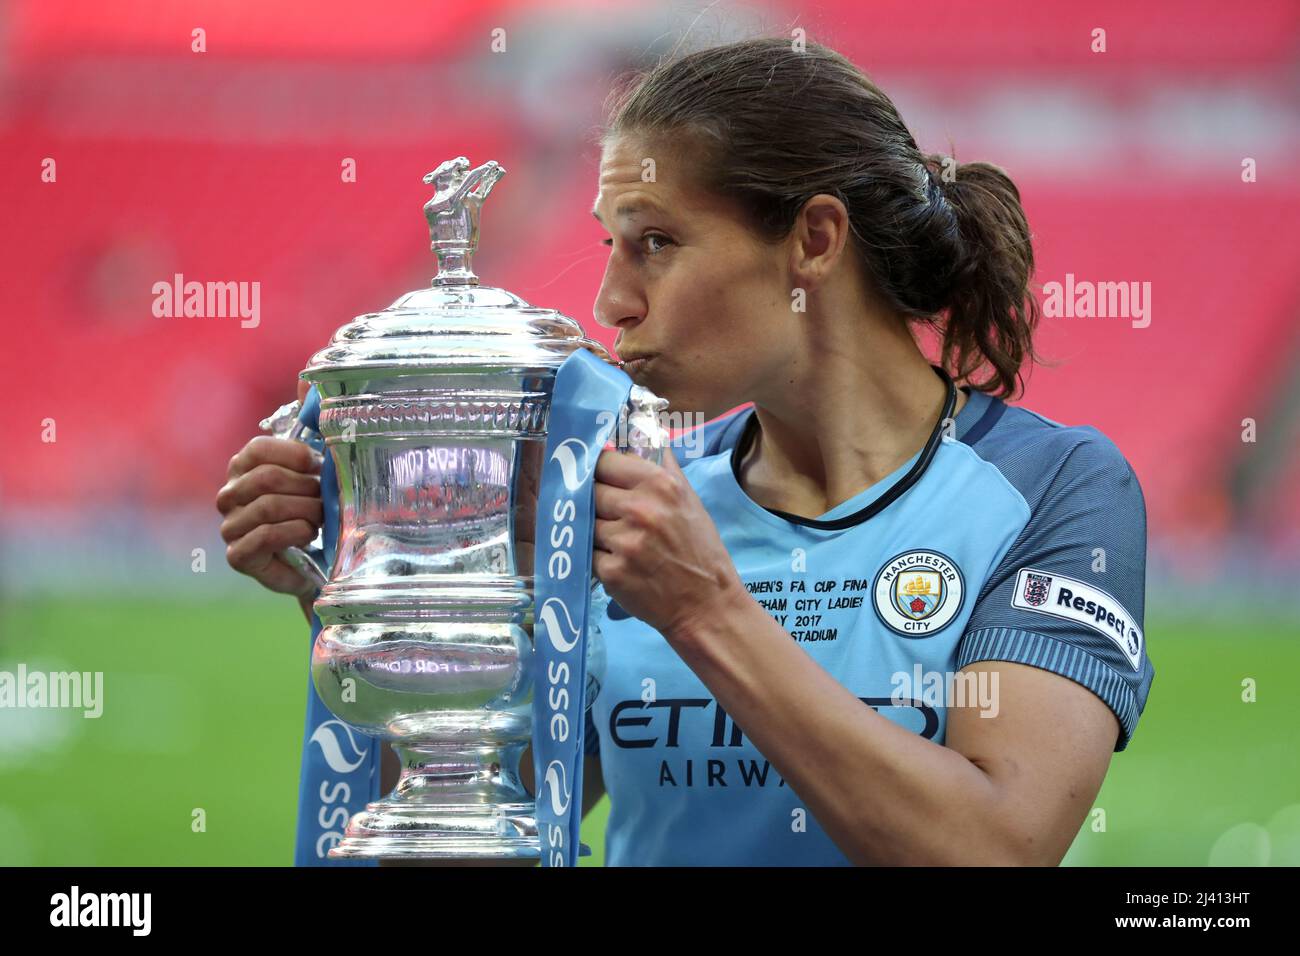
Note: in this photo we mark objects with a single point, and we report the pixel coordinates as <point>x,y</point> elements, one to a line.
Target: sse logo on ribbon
<point>586,391</point>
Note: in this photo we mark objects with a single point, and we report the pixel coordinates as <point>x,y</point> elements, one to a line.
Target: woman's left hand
<point>657,551</point>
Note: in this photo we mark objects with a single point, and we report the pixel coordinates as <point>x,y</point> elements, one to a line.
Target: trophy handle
<point>309,561</point>
<point>639,431</point>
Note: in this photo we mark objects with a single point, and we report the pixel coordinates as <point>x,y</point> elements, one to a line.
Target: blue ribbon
<point>583,412</point>
<point>341,766</point>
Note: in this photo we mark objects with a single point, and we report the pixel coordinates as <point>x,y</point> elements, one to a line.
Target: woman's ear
<point>822,231</point>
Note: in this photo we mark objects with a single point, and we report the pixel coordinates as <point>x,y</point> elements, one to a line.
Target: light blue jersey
<point>1021,540</point>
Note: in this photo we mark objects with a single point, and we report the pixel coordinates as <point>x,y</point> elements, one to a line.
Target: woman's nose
<point>617,304</point>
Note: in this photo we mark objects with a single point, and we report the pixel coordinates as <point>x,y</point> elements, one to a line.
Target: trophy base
<point>398,829</point>
<point>390,848</point>
<point>452,802</point>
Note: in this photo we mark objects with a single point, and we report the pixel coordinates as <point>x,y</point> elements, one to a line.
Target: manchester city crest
<point>918,593</point>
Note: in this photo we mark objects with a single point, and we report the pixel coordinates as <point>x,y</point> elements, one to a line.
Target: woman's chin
<point>661,388</point>
<point>644,375</point>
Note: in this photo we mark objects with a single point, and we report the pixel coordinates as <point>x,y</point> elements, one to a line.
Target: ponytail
<point>991,314</point>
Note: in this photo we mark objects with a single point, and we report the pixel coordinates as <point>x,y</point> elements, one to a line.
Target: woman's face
<point>688,284</point>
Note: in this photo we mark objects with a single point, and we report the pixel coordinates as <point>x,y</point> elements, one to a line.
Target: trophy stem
<point>454,268</point>
<point>452,801</point>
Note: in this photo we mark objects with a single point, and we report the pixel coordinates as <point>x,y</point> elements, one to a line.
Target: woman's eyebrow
<point>630,208</point>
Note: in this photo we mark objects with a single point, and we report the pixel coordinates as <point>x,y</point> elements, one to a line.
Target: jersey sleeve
<point>1070,594</point>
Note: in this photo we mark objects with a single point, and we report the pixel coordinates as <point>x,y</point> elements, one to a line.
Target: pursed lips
<point>635,360</point>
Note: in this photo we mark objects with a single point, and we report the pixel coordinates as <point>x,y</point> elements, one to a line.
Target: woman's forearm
<point>883,794</point>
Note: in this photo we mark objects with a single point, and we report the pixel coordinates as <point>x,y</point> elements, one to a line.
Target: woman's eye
<point>657,238</point>
<point>663,240</point>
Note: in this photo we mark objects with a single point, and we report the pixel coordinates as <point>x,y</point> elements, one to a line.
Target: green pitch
<point>203,710</point>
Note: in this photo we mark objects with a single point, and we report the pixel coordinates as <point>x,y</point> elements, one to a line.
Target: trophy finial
<point>453,215</point>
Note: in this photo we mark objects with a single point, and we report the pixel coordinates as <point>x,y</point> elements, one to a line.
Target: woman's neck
<point>842,423</point>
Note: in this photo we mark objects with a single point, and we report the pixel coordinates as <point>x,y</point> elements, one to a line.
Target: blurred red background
<point>226,165</point>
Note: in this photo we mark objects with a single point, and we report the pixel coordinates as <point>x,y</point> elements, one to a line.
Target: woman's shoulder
<point>1046,459</point>
<point>712,438</point>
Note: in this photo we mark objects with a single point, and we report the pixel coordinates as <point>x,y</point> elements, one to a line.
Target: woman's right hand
<point>271,500</point>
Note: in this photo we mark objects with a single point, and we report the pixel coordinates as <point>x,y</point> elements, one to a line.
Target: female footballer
<point>878,618</point>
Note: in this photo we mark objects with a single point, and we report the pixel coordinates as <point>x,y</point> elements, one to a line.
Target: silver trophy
<point>434,412</point>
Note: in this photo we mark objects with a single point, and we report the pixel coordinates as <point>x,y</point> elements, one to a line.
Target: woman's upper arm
<point>1045,746</point>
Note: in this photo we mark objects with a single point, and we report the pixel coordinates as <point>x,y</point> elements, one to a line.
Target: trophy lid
<point>455,324</point>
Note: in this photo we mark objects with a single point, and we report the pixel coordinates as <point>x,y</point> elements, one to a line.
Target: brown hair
<point>772,126</point>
